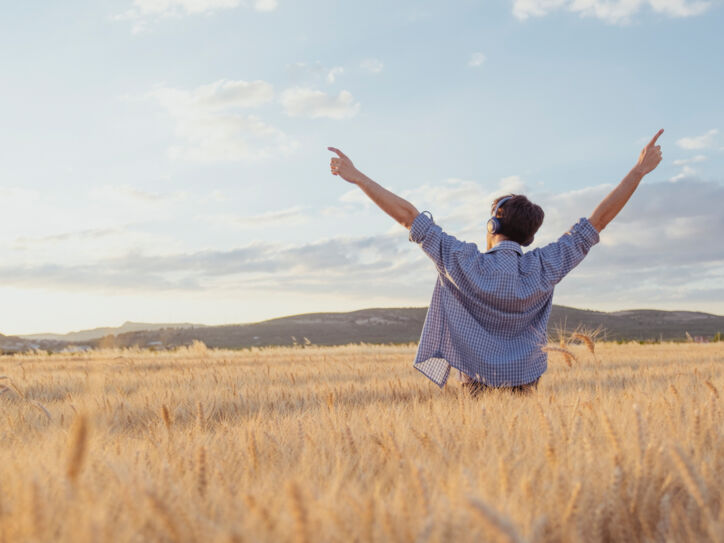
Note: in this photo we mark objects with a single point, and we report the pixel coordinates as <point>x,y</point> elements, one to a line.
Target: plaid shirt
<point>489,311</point>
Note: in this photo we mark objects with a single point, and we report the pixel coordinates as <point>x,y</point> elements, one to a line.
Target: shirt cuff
<point>420,226</point>
<point>587,232</point>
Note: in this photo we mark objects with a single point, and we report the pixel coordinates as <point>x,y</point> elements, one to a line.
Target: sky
<point>166,160</point>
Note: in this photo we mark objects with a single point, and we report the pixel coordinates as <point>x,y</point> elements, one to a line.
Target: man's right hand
<point>343,167</point>
<point>614,202</point>
<point>650,156</point>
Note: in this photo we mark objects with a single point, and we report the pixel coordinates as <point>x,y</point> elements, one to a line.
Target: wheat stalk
<point>299,512</point>
<point>497,523</point>
<point>166,417</point>
<point>252,449</point>
<point>165,514</point>
<point>77,448</point>
<point>572,505</point>
<point>41,408</point>
<point>691,478</point>
<point>713,389</point>
<point>612,436</point>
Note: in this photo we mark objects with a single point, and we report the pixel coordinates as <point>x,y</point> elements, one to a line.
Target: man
<point>489,311</point>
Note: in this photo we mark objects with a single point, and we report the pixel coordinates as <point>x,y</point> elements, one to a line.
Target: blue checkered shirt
<point>489,311</point>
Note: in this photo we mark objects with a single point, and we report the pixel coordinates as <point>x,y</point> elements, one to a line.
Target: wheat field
<point>352,444</point>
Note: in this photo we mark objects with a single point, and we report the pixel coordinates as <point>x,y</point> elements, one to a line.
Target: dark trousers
<point>476,388</point>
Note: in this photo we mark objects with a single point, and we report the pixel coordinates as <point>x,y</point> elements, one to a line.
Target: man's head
<point>519,218</point>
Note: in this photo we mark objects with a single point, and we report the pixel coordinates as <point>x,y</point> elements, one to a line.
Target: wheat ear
<point>588,340</point>
<point>568,355</point>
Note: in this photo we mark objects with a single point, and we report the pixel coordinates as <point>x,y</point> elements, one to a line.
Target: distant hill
<point>403,325</point>
<point>15,344</point>
<point>97,333</point>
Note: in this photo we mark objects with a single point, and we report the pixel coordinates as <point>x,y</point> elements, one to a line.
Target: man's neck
<point>495,240</point>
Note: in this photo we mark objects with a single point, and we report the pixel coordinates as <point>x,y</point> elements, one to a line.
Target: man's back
<point>489,311</point>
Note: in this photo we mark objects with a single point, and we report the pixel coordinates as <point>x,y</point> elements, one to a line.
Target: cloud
<point>692,160</point>
<point>476,60</point>
<point>113,194</point>
<point>664,248</point>
<point>328,264</point>
<point>89,234</point>
<point>292,216</point>
<point>333,73</point>
<point>216,96</point>
<point>372,65</point>
<point>685,172</point>
<point>265,5</point>
<point>211,125</point>
<point>610,11</point>
<point>314,104</point>
<point>664,223</point>
<point>705,141</point>
<point>143,12</point>
<point>313,73</point>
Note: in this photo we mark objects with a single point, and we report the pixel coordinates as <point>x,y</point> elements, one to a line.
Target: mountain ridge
<point>374,325</point>
<point>404,325</point>
<point>102,331</point>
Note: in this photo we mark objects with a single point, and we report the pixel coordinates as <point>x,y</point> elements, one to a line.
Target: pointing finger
<point>335,150</point>
<point>658,134</point>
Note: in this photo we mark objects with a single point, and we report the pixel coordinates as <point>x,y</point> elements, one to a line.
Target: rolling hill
<point>95,333</point>
<point>403,325</point>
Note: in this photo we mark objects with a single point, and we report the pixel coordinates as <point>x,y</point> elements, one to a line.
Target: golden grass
<point>351,443</point>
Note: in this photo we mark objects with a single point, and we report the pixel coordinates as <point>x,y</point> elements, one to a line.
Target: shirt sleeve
<point>452,257</point>
<point>560,257</point>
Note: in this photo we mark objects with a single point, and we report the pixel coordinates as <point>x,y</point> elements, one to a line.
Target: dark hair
<point>519,218</point>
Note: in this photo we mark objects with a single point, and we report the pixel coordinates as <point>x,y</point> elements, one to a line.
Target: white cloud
<point>215,96</point>
<point>292,216</point>
<point>692,160</point>
<point>333,73</point>
<point>355,196</point>
<point>228,137</point>
<point>176,7</point>
<point>303,73</point>
<point>112,195</point>
<point>476,59</point>
<point>372,65</point>
<point>306,102</point>
<point>686,171</point>
<point>266,5</point>
<point>704,141</point>
<point>142,12</point>
<point>462,204</point>
<point>211,127</point>
<point>610,11</point>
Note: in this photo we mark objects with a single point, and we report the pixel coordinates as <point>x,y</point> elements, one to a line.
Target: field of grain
<point>352,444</point>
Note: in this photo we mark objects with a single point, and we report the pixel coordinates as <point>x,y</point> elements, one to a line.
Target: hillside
<point>403,325</point>
<point>15,344</point>
<point>95,333</point>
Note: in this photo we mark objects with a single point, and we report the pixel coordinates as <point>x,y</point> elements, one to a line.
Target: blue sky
<point>165,160</point>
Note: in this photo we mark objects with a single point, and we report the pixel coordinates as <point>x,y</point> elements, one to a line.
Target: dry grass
<point>351,443</point>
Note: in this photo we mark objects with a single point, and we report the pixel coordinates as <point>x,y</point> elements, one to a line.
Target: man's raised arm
<point>614,202</point>
<point>398,208</point>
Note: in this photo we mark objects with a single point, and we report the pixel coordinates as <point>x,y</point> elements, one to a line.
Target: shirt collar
<point>507,244</point>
